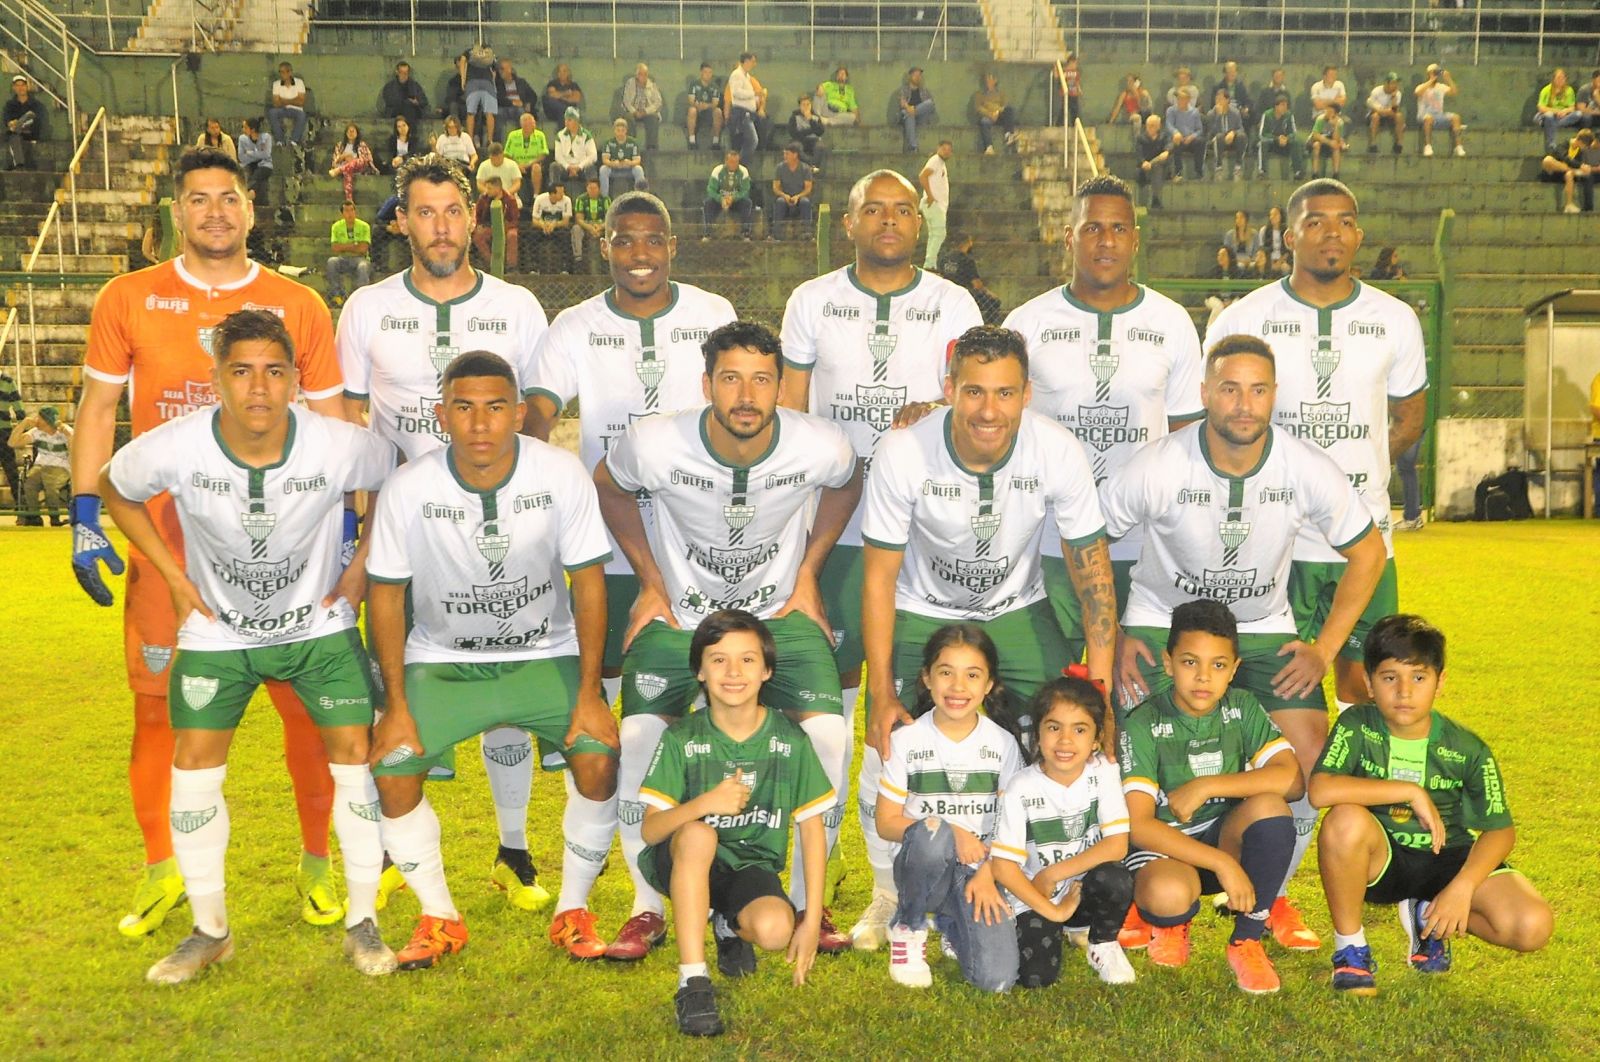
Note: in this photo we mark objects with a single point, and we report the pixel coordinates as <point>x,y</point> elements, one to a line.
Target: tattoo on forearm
<point>1090,569</point>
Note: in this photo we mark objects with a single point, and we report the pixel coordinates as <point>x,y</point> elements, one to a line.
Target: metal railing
<point>50,55</point>
<point>1074,138</point>
<point>8,332</point>
<point>104,32</point>
<point>100,122</point>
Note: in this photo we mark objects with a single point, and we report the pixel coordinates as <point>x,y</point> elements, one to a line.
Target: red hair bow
<point>1081,671</point>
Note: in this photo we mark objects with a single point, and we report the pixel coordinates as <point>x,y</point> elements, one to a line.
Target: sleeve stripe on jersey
<point>105,377</point>
<point>1115,826</point>
<point>392,580</point>
<point>815,807</point>
<point>880,544</point>
<point>803,366</point>
<point>534,392</point>
<point>1409,394</point>
<point>604,558</point>
<point>355,396</point>
<point>1353,541</point>
<point>330,392</point>
<point>1140,785</point>
<point>659,801</point>
<point>1087,540</point>
<point>1007,852</point>
<point>1269,750</point>
<point>894,791</point>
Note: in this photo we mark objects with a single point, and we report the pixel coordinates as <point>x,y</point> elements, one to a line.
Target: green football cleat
<point>389,883</point>
<point>157,895</point>
<point>514,874</point>
<point>315,881</point>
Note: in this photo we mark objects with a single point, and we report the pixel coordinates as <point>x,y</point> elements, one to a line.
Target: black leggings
<point>1107,892</point>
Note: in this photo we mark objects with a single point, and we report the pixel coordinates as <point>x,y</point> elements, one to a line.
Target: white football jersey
<point>1339,367</point>
<point>1044,822</point>
<point>488,568</point>
<point>870,354</point>
<point>730,536</point>
<point>1226,538</point>
<point>971,539</point>
<point>260,544</point>
<point>957,781</point>
<point>1114,379</point>
<point>623,368</point>
<point>394,344</point>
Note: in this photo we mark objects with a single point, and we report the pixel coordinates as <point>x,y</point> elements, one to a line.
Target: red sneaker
<point>1135,932</point>
<point>829,941</point>
<point>574,930</point>
<point>434,939</point>
<point>638,936</point>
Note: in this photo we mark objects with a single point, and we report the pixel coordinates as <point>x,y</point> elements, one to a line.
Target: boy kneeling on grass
<point>1403,786</point>
<point>719,796</point>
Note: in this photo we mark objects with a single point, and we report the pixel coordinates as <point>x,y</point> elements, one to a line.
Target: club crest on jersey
<point>1103,363</point>
<point>494,547</point>
<point>738,516</point>
<point>984,525</point>
<point>747,778</point>
<point>1326,423</point>
<point>1103,427</point>
<point>441,354</point>
<point>156,657</point>
<point>197,393</point>
<point>261,579</point>
<point>649,685</point>
<point>650,372</point>
<point>258,525</point>
<point>208,341</point>
<point>1205,764</point>
<point>881,345</point>
<point>1233,533</point>
<point>957,780</point>
<point>1324,361</point>
<point>198,690</point>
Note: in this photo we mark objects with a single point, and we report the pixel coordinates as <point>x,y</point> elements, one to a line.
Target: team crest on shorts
<point>190,821</point>
<point>650,686</point>
<point>198,690</point>
<point>156,657</point>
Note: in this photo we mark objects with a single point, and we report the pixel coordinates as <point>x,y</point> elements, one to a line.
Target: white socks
<point>355,823</point>
<point>640,736</point>
<point>830,737</point>
<point>508,760</point>
<point>1305,824</point>
<point>687,970</point>
<point>586,826</point>
<point>413,843</point>
<point>1357,939</point>
<point>1343,705</point>
<point>199,818</point>
<point>880,853</point>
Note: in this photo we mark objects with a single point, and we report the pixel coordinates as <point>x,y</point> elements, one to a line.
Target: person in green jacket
<point>836,100</point>
<point>728,192</point>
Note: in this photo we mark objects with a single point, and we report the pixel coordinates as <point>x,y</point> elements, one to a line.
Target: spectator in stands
<point>806,128</point>
<point>705,98</point>
<point>641,105</point>
<point>791,191</point>
<point>212,136</point>
<point>388,234</point>
<point>934,179</point>
<point>1234,85</point>
<point>621,157</point>
<point>1279,136</point>
<point>551,219</point>
<point>1153,148</point>
<point>588,219</point>
<point>728,192</point>
<point>288,105</point>
<point>1557,108</point>
<point>836,100</point>
<point>1328,91</point>
<point>23,119</point>
<point>494,191</point>
<point>1273,245</point>
<point>351,157</point>
<point>577,157</point>
<point>916,107</point>
<point>1388,266</point>
<point>1074,100</point>
<point>993,109</point>
<point>1589,101</point>
<point>482,92</point>
<point>498,166</point>
<point>561,94</point>
<point>1327,135</point>
<point>403,142</point>
<point>11,414</point>
<point>1133,103</point>
<point>1385,104</point>
<point>1225,136</point>
<point>957,265</point>
<point>1186,129</point>
<point>516,96</point>
<point>403,97</point>
<point>456,145</point>
<point>49,478</point>
<point>455,92</point>
<point>1574,165</point>
<point>255,157</point>
<point>744,101</point>
<point>1184,86</point>
<point>1230,266</point>
<point>348,243</point>
<point>1431,95</point>
<point>1277,85</point>
<point>1244,243</point>
<point>528,148</point>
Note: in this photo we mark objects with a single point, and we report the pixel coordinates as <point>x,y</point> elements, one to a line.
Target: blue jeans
<point>295,115</point>
<point>929,879</point>
<point>1410,489</point>
<point>923,115</point>
<point>637,173</point>
<point>1551,123</point>
<point>741,134</point>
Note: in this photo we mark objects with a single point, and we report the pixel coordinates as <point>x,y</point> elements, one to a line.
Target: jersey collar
<point>288,443</point>
<point>464,297</point>
<point>950,448</point>
<point>1355,293</point>
<point>193,281</point>
<point>1205,453</point>
<point>705,440</point>
<point>611,304</point>
<point>450,463</point>
<point>1138,297</point>
<point>855,282</point>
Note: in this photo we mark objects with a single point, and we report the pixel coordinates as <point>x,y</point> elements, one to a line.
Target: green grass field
<point>1517,601</point>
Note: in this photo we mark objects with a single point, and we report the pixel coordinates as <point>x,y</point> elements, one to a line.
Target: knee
<point>1111,880</point>
<point>595,776</point>
<point>770,927</point>
<point>694,841</point>
<point>1166,891</point>
<point>1533,927</point>
<point>923,847</point>
<point>1343,828</point>
<point>1263,806</point>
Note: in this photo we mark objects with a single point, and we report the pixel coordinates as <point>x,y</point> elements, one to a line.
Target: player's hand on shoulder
<point>912,412</point>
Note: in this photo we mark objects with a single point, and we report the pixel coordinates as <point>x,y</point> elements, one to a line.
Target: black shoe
<point>520,862</point>
<point>736,957</point>
<point>696,1004</point>
<point>1372,149</point>
<point>1155,204</point>
<point>1398,149</point>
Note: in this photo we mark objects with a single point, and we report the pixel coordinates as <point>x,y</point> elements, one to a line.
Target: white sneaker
<point>989,150</point>
<point>366,950</point>
<point>1111,963</point>
<point>908,962</point>
<point>1427,151</point>
<point>1461,152</point>
<point>193,954</point>
<point>1410,525</point>
<point>871,931</point>
<point>1571,208</point>
<point>948,949</point>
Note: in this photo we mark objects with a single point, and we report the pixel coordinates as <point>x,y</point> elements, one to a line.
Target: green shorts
<point>452,702</point>
<point>1064,602</point>
<point>444,769</point>
<point>208,690</point>
<point>1311,587</point>
<point>841,597</point>
<point>621,592</point>
<point>1032,651</point>
<point>1258,662</point>
<point>656,679</point>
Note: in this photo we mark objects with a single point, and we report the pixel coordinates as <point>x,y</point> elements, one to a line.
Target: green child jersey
<point>1453,765</point>
<point>1162,747</point>
<point>777,762</point>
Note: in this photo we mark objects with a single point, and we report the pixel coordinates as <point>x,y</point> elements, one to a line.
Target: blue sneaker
<point>1428,954</point>
<point>1353,970</point>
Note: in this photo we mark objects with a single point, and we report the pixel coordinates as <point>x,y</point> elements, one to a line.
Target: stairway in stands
<point>274,26</point>
<point>1024,31</point>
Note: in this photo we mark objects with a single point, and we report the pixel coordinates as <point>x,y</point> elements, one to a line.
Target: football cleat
<point>696,1006</point>
<point>158,893</point>
<point>513,873</point>
<point>574,930</point>
<point>829,940</point>
<point>1169,945</point>
<point>638,937</point>
<point>871,931</point>
<point>365,949</point>
<point>1136,932</point>
<point>1353,970</point>
<point>1428,954</point>
<point>322,905</point>
<point>1289,929</point>
<point>1252,970</point>
<point>433,940</point>
<point>1111,963</point>
<point>390,882</point>
<point>193,954</point>
<point>908,958</point>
